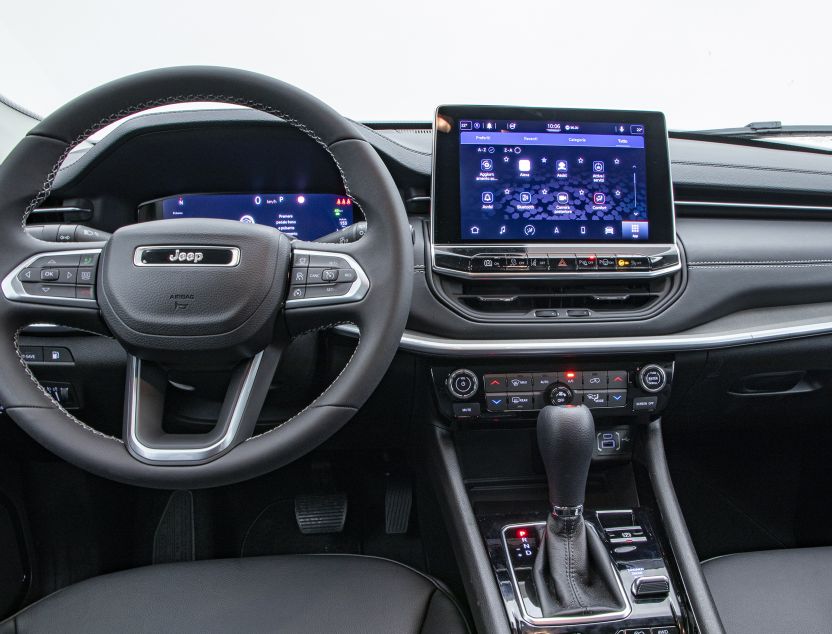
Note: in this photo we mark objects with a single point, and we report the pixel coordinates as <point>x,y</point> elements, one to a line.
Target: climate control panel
<point>614,388</point>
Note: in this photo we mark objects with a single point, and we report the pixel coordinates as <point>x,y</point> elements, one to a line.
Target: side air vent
<point>512,300</point>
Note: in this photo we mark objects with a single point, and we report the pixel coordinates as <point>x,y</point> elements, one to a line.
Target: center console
<point>559,216</point>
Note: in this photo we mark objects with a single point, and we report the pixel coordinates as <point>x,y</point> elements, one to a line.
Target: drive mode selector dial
<point>462,384</point>
<point>652,378</point>
<point>560,394</point>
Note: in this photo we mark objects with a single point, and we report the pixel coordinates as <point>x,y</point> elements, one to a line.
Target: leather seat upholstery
<point>295,593</point>
<point>773,591</point>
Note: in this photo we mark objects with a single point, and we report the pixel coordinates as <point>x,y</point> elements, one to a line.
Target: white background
<point>706,64</point>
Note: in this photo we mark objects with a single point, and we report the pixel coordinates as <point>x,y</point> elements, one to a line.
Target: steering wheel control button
<point>68,276</point>
<point>560,394</point>
<point>328,290</point>
<point>519,383</point>
<point>86,275</point>
<point>494,383</point>
<point>327,261</point>
<point>297,292</point>
<point>85,292</point>
<point>299,276</point>
<point>300,260</point>
<point>329,275</point>
<point>652,378</point>
<point>346,275</point>
<point>49,290</point>
<point>29,275</point>
<point>87,259</point>
<point>50,275</point>
<point>466,410</point>
<point>68,259</point>
<point>462,384</point>
<point>645,403</point>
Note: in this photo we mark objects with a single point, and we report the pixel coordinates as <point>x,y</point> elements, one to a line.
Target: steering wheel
<point>189,293</point>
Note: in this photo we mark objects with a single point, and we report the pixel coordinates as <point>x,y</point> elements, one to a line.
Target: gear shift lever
<point>572,571</point>
<point>566,437</point>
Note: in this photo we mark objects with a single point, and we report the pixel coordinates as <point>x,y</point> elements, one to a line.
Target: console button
<point>645,403</point>
<point>539,264</point>
<point>595,399</point>
<point>616,398</point>
<point>595,379</point>
<point>627,263</point>
<point>587,262</point>
<point>31,354</point>
<point>57,355</point>
<point>495,402</point>
<point>48,290</point>
<point>466,410</point>
<point>543,380</point>
<point>638,630</point>
<point>667,629</point>
<point>653,586</point>
<point>577,312</point>
<point>516,263</point>
<point>494,382</point>
<point>606,262</point>
<point>548,312</point>
<point>519,382</point>
<point>487,264</point>
<point>652,378</point>
<point>562,263</point>
<point>520,402</point>
<point>617,379</point>
<point>560,395</point>
<point>328,290</point>
<point>571,378</point>
<point>57,260</point>
<point>50,275</point>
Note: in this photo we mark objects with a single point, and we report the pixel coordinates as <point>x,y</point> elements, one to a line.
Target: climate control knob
<point>652,378</point>
<point>560,394</point>
<point>462,384</point>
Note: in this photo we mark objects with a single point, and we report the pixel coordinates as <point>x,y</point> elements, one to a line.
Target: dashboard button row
<point>558,262</point>
<point>538,381</point>
<point>530,401</point>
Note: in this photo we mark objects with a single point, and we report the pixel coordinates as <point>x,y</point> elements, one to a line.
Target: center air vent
<point>512,300</point>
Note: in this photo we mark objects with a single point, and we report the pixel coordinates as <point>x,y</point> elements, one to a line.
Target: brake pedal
<point>317,514</point>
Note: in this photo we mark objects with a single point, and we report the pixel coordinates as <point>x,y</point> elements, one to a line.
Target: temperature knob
<point>462,384</point>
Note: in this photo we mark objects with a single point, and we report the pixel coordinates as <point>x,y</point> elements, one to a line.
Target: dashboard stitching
<point>328,387</point>
<point>387,138</point>
<point>46,188</point>
<point>52,401</point>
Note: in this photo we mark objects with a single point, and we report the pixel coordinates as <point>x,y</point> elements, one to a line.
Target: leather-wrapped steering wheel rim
<point>385,253</point>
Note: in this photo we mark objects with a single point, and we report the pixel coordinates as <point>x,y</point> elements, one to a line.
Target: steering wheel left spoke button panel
<point>55,278</point>
<point>318,278</point>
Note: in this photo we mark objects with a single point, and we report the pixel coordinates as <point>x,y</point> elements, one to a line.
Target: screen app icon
<point>524,165</point>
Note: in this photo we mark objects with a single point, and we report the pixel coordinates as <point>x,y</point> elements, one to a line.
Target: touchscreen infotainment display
<point>551,178</point>
<point>303,216</point>
<point>555,180</point>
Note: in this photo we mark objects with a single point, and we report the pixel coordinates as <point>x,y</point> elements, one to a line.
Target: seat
<point>773,590</point>
<point>293,593</point>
